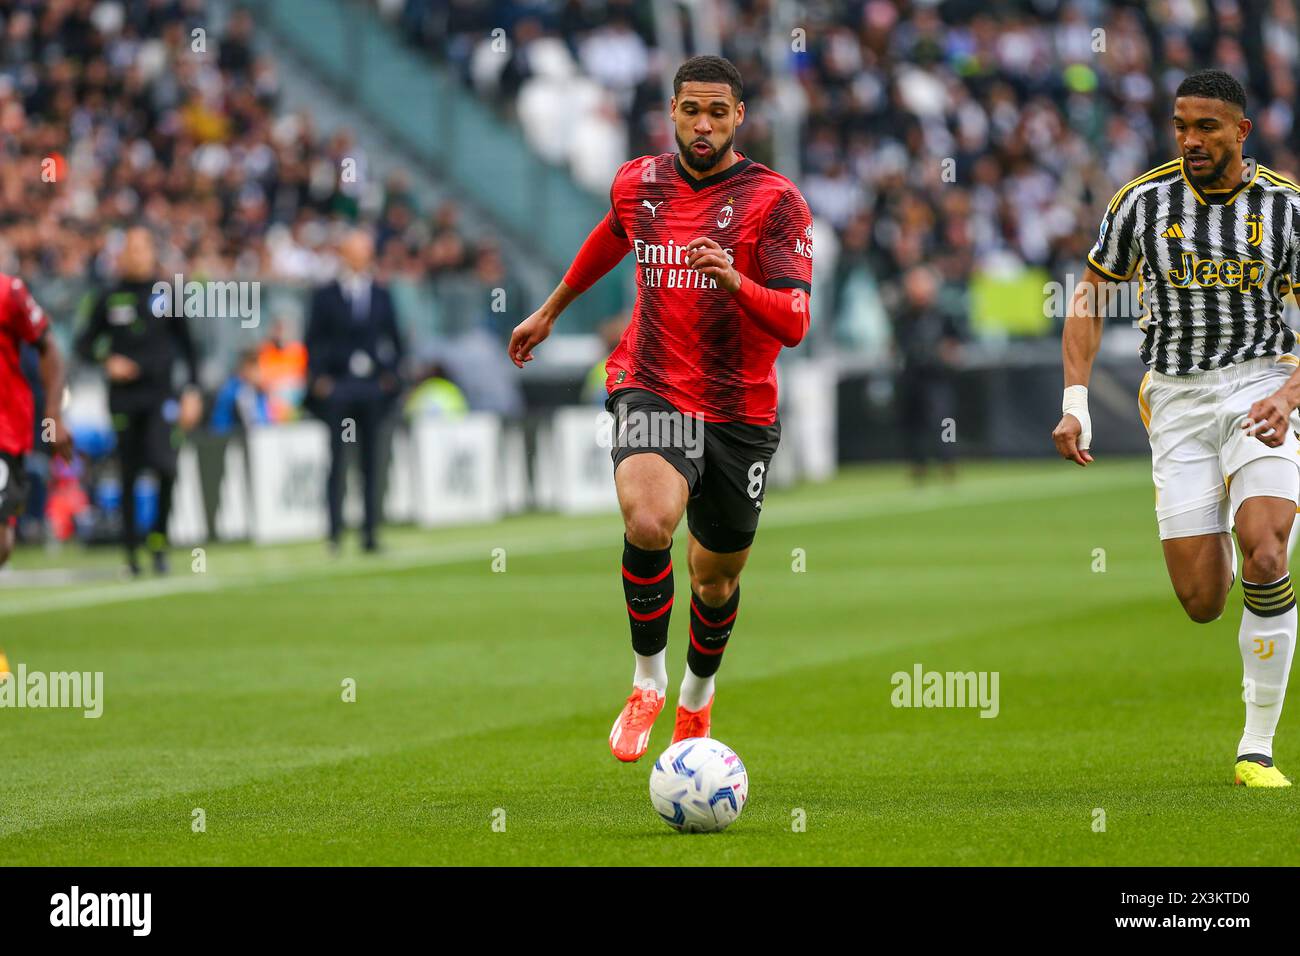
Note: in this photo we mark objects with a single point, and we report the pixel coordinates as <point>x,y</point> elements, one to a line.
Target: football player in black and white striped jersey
<point>1216,237</point>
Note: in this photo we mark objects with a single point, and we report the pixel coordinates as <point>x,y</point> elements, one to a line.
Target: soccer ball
<point>699,785</point>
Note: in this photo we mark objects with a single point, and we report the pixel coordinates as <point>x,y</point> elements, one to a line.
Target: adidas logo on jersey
<point>1173,232</point>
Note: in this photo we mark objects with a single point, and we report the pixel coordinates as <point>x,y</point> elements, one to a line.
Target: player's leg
<point>652,495</point>
<point>13,496</point>
<point>13,500</point>
<point>723,520</point>
<point>7,536</point>
<point>1264,488</point>
<point>1191,501</point>
<point>6,540</point>
<point>1264,494</point>
<point>1200,568</point>
<point>715,602</point>
<point>1295,525</point>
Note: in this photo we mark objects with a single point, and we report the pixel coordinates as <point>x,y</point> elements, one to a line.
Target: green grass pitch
<point>479,691</point>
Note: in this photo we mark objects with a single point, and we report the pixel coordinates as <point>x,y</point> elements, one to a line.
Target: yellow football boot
<point>1256,770</point>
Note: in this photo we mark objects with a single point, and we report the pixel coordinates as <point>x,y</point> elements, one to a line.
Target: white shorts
<point>1197,443</point>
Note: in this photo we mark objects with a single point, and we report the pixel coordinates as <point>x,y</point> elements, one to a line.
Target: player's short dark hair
<point>1213,85</point>
<point>709,69</point>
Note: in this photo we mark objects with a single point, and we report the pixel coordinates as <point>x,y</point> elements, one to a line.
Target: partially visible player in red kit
<point>22,320</point>
<point>723,248</point>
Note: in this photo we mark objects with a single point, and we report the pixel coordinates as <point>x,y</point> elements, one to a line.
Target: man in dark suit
<point>354,350</point>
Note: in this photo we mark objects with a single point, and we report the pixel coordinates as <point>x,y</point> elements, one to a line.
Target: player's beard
<point>702,164</point>
<point>1208,179</point>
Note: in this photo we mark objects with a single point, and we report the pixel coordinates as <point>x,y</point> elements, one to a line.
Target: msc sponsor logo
<point>1240,274</point>
<point>803,246</point>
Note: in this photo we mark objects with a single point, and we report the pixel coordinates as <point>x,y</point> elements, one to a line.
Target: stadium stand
<point>1010,109</point>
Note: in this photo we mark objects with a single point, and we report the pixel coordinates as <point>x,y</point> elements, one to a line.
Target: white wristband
<point>1075,402</point>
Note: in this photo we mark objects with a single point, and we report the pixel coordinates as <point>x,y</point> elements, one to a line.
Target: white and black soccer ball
<point>699,785</point>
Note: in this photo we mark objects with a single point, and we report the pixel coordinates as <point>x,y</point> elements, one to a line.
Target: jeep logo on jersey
<point>1241,274</point>
<point>724,217</point>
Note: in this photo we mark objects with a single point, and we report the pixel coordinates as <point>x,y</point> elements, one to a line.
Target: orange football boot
<point>692,723</point>
<point>630,736</point>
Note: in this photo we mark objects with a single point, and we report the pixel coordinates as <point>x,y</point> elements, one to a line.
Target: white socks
<point>652,672</point>
<point>696,691</point>
<point>1267,643</point>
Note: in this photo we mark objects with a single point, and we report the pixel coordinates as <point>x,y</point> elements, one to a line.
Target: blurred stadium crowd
<point>139,130</point>
<point>974,140</point>
<point>1037,111</point>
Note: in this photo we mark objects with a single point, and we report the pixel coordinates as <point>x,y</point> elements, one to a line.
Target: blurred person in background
<point>241,403</point>
<point>354,351</point>
<point>437,396</point>
<point>282,372</point>
<point>133,334</point>
<point>927,343</point>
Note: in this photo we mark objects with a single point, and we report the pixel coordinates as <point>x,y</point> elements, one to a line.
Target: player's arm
<point>33,327</point>
<point>1114,258</point>
<point>53,376</point>
<point>603,249</point>
<point>1268,419</point>
<point>1080,340</point>
<point>781,313</point>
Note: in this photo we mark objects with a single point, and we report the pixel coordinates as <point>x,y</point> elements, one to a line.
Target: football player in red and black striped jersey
<point>723,247</point>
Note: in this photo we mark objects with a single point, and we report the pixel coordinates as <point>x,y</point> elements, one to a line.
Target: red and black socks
<point>710,631</point>
<point>648,589</point>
